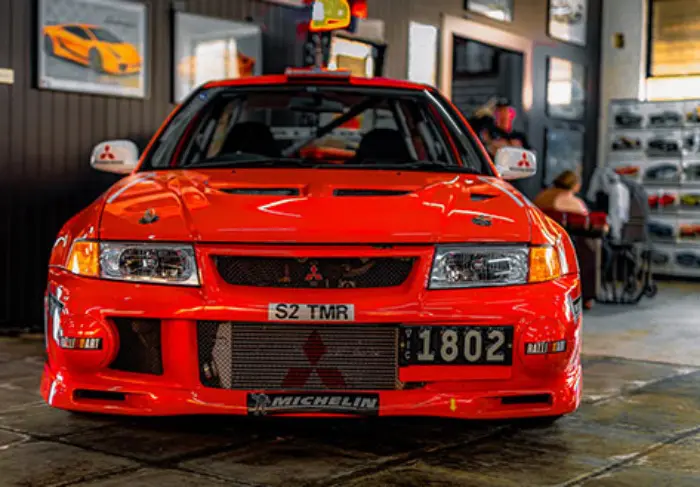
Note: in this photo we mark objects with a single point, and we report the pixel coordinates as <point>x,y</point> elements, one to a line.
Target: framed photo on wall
<point>563,150</point>
<point>208,48</point>
<point>568,21</point>
<point>495,9</point>
<point>566,89</point>
<point>93,46</point>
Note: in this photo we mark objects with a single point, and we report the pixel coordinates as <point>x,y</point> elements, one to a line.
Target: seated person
<point>562,195</point>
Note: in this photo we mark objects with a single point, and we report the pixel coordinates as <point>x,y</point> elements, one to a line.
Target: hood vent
<point>370,192</point>
<point>262,191</point>
<point>481,196</point>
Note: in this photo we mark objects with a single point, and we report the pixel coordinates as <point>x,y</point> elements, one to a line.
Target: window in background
<point>422,53</point>
<point>674,38</point>
<point>566,94</point>
<point>495,9</point>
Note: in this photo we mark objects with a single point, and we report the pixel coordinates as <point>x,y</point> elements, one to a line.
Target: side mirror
<point>115,156</point>
<point>515,163</point>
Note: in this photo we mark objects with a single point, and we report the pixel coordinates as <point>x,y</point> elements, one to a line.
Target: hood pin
<point>149,217</point>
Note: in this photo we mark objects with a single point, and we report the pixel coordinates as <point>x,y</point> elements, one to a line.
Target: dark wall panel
<point>46,137</point>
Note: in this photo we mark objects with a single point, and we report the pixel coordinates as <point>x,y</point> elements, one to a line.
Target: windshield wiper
<point>431,165</point>
<point>252,163</point>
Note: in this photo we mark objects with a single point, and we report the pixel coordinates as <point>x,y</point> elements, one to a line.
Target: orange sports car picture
<point>92,46</point>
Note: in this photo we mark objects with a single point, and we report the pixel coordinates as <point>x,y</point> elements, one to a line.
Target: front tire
<point>96,61</point>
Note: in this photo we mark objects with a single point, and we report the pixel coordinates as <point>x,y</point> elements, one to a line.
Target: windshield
<point>105,36</point>
<point>315,126</point>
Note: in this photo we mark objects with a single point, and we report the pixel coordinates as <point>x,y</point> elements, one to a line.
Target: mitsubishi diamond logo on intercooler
<point>314,350</point>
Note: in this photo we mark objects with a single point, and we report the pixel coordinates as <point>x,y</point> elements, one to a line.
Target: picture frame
<point>567,21</point>
<point>566,89</point>
<point>97,47</point>
<point>423,49</point>
<point>209,48</point>
<point>564,149</point>
<point>494,9</point>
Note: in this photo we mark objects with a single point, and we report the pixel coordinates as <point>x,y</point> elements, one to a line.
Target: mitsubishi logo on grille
<point>314,274</point>
<point>314,350</point>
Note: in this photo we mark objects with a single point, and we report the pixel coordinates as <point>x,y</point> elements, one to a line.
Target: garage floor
<point>639,426</point>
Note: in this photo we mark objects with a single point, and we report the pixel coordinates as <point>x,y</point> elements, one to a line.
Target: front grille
<point>314,273</point>
<point>139,346</point>
<point>297,357</point>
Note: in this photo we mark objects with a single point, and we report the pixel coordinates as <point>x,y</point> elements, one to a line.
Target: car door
<point>77,41</point>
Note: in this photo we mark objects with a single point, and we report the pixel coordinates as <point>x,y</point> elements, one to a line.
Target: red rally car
<point>313,244</point>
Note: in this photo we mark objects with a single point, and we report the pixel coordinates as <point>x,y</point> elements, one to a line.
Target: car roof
<point>323,77</point>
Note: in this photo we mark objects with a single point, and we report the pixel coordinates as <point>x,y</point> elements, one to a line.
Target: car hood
<point>314,206</point>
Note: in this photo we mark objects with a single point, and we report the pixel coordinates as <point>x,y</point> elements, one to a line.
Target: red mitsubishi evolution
<point>313,244</point>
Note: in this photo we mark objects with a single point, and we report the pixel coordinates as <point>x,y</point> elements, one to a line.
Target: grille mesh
<point>297,357</point>
<point>314,273</point>
<point>139,347</point>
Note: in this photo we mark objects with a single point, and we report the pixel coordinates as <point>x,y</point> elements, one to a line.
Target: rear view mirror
<point>115,156</point>
<point>515,163</point>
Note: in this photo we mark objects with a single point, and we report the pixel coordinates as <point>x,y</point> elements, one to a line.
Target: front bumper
<point>532,386</point>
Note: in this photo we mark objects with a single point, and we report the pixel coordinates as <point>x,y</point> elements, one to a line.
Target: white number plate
<point>310,312</point>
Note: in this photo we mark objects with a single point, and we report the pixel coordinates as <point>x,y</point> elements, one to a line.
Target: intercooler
<point>254,356</point>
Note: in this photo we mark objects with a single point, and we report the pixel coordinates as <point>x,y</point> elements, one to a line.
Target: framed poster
<point>208,48</point>
<point>93,46</point>
<point>422,53</point>
<point>566,95</point>
<point>495,9</point>
<point>563,150</point>
<point>568,21</point>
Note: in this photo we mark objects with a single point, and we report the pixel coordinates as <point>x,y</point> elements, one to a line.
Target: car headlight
<point>139,262</point>
<point>487,266</point>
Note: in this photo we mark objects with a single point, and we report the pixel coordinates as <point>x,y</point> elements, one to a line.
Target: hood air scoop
<point>262,191</point>
<point>369,192</point>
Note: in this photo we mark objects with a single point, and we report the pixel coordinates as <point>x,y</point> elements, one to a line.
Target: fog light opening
<point>90,395</point>
<point>530,399</point>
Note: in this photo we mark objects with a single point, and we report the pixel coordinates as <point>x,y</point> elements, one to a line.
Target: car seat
<point>381,146</point>
<point>253,138</point>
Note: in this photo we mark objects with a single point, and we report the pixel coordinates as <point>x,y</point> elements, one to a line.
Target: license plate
<point>456,345</point>
<point>310,312</point>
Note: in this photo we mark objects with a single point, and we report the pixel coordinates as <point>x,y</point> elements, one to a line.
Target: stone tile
<point>156,440</point>
<point>19,348</point>
<point>661,410</point>
<point>8,438</point>
<point>422,475</point>
<point>398,435</point>
<point>663,329</point>
<point>43,421</point>
<point>676,464</point>
<point>283,463</point>
<point>17,400</point>
<point>607,377</point>
<point>574,446</point>
<point>44,464</point>
<point>150,477</point>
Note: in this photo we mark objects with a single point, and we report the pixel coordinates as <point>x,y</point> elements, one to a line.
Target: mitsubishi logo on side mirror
<point>524,162</point>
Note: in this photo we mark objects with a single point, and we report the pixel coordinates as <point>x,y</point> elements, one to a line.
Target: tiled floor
<point>639,426</point>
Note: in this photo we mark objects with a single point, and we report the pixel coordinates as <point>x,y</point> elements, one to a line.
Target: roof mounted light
<point>316,73</point>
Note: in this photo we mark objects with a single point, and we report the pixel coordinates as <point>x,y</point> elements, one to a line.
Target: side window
<point>434,138</point>
<point>78,32</point>
<point>161,153</point>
